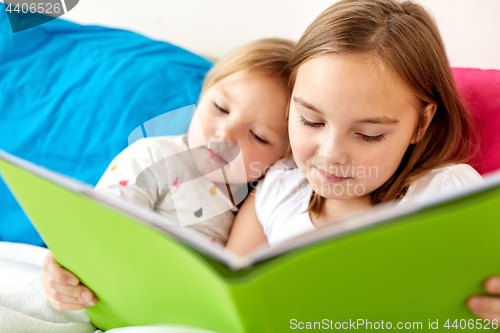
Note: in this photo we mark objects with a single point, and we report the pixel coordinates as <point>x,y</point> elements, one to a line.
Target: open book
<point>414,263</point>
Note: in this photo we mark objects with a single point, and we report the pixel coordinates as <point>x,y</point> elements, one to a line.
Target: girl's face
<point>244,110</point>
<point>350,124</point>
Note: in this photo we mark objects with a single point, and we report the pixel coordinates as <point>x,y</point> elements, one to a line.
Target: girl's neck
<point>333,208</point>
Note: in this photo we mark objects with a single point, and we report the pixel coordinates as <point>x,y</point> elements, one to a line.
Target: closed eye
<point>308,123</point>
<point>376,138</point>
<point>220,108</point>
<point>367,138</point>
<point>258,138</point>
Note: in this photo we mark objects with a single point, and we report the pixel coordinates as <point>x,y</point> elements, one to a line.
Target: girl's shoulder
<point>284,164</point>
<point>283,185</point>
<point>452,175</point>
<point>283,173</point>
<point>443,179</point>
<point>281,201</point>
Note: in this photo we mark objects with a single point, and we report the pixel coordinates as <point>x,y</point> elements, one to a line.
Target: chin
<point>340,197</point>
<point>345,190</point>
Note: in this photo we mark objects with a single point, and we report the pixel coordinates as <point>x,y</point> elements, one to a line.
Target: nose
<point>333,149</point>
<point>228,132</point>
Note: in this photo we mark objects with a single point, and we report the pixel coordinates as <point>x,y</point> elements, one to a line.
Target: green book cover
<point>413,265</point>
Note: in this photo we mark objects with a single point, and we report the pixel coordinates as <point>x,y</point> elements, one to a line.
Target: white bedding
<point>25,309</point>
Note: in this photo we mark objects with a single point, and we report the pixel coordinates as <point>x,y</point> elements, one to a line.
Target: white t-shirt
<point>283,196</point>
<point>173,189</point>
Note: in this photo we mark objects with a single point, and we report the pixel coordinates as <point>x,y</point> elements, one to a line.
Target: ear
<point>425,121</point>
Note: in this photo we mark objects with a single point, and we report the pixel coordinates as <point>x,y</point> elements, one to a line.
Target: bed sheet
<point>24,307</point>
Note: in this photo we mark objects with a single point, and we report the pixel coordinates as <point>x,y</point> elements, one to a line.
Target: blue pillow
<point>71,95</point>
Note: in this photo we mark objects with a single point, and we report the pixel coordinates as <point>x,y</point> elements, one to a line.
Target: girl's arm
<point>247,233</point>
<point>487,307</point>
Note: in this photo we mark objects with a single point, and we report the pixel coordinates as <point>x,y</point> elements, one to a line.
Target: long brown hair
<point>404,37</point>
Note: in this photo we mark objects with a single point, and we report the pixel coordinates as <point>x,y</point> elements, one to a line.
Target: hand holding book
<point>487,307</point>
<point>63,288</point>
<point>66,293</point>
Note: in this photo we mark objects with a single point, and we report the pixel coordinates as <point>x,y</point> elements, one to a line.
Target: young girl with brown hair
<point>374,116</point>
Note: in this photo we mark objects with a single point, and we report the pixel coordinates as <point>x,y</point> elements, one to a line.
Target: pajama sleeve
<point>120,178</point>
<point>443,180</point>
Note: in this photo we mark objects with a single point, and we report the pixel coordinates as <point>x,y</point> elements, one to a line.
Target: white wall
<point>470,28</point>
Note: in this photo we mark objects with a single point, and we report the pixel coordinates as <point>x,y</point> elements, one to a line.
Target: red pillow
<point>480,91</point>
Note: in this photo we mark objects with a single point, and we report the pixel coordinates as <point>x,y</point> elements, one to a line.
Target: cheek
<point>392,155</point>
<point>208,124</point>
<point>257,161</point>
<point>382,162</point>
<point>202,128</point>
<point>379,159</point>
<point>195,134</point>
<point>302,143</point>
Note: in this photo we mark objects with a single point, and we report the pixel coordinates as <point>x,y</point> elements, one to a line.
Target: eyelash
<point>366,138</point>
<point>259,139</point>
<point>220,109</point>
<point>308,123</point>
<point>254,135</point>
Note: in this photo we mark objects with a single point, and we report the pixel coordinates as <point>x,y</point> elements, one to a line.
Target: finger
<point>61,306</point>
<point>58,273</point>
<point>492,285</point>
<point>49,282</point>
<point>89,297</point>
<point>53,291</point>
<point>68,294</point>
<point>484,304</point>
<point>48,258</point>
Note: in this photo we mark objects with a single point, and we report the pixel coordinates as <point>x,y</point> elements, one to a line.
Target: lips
<point>217,157</point>
<point>331,177</point>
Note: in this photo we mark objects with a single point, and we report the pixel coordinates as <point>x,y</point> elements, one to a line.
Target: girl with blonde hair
<point>241,111</point>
